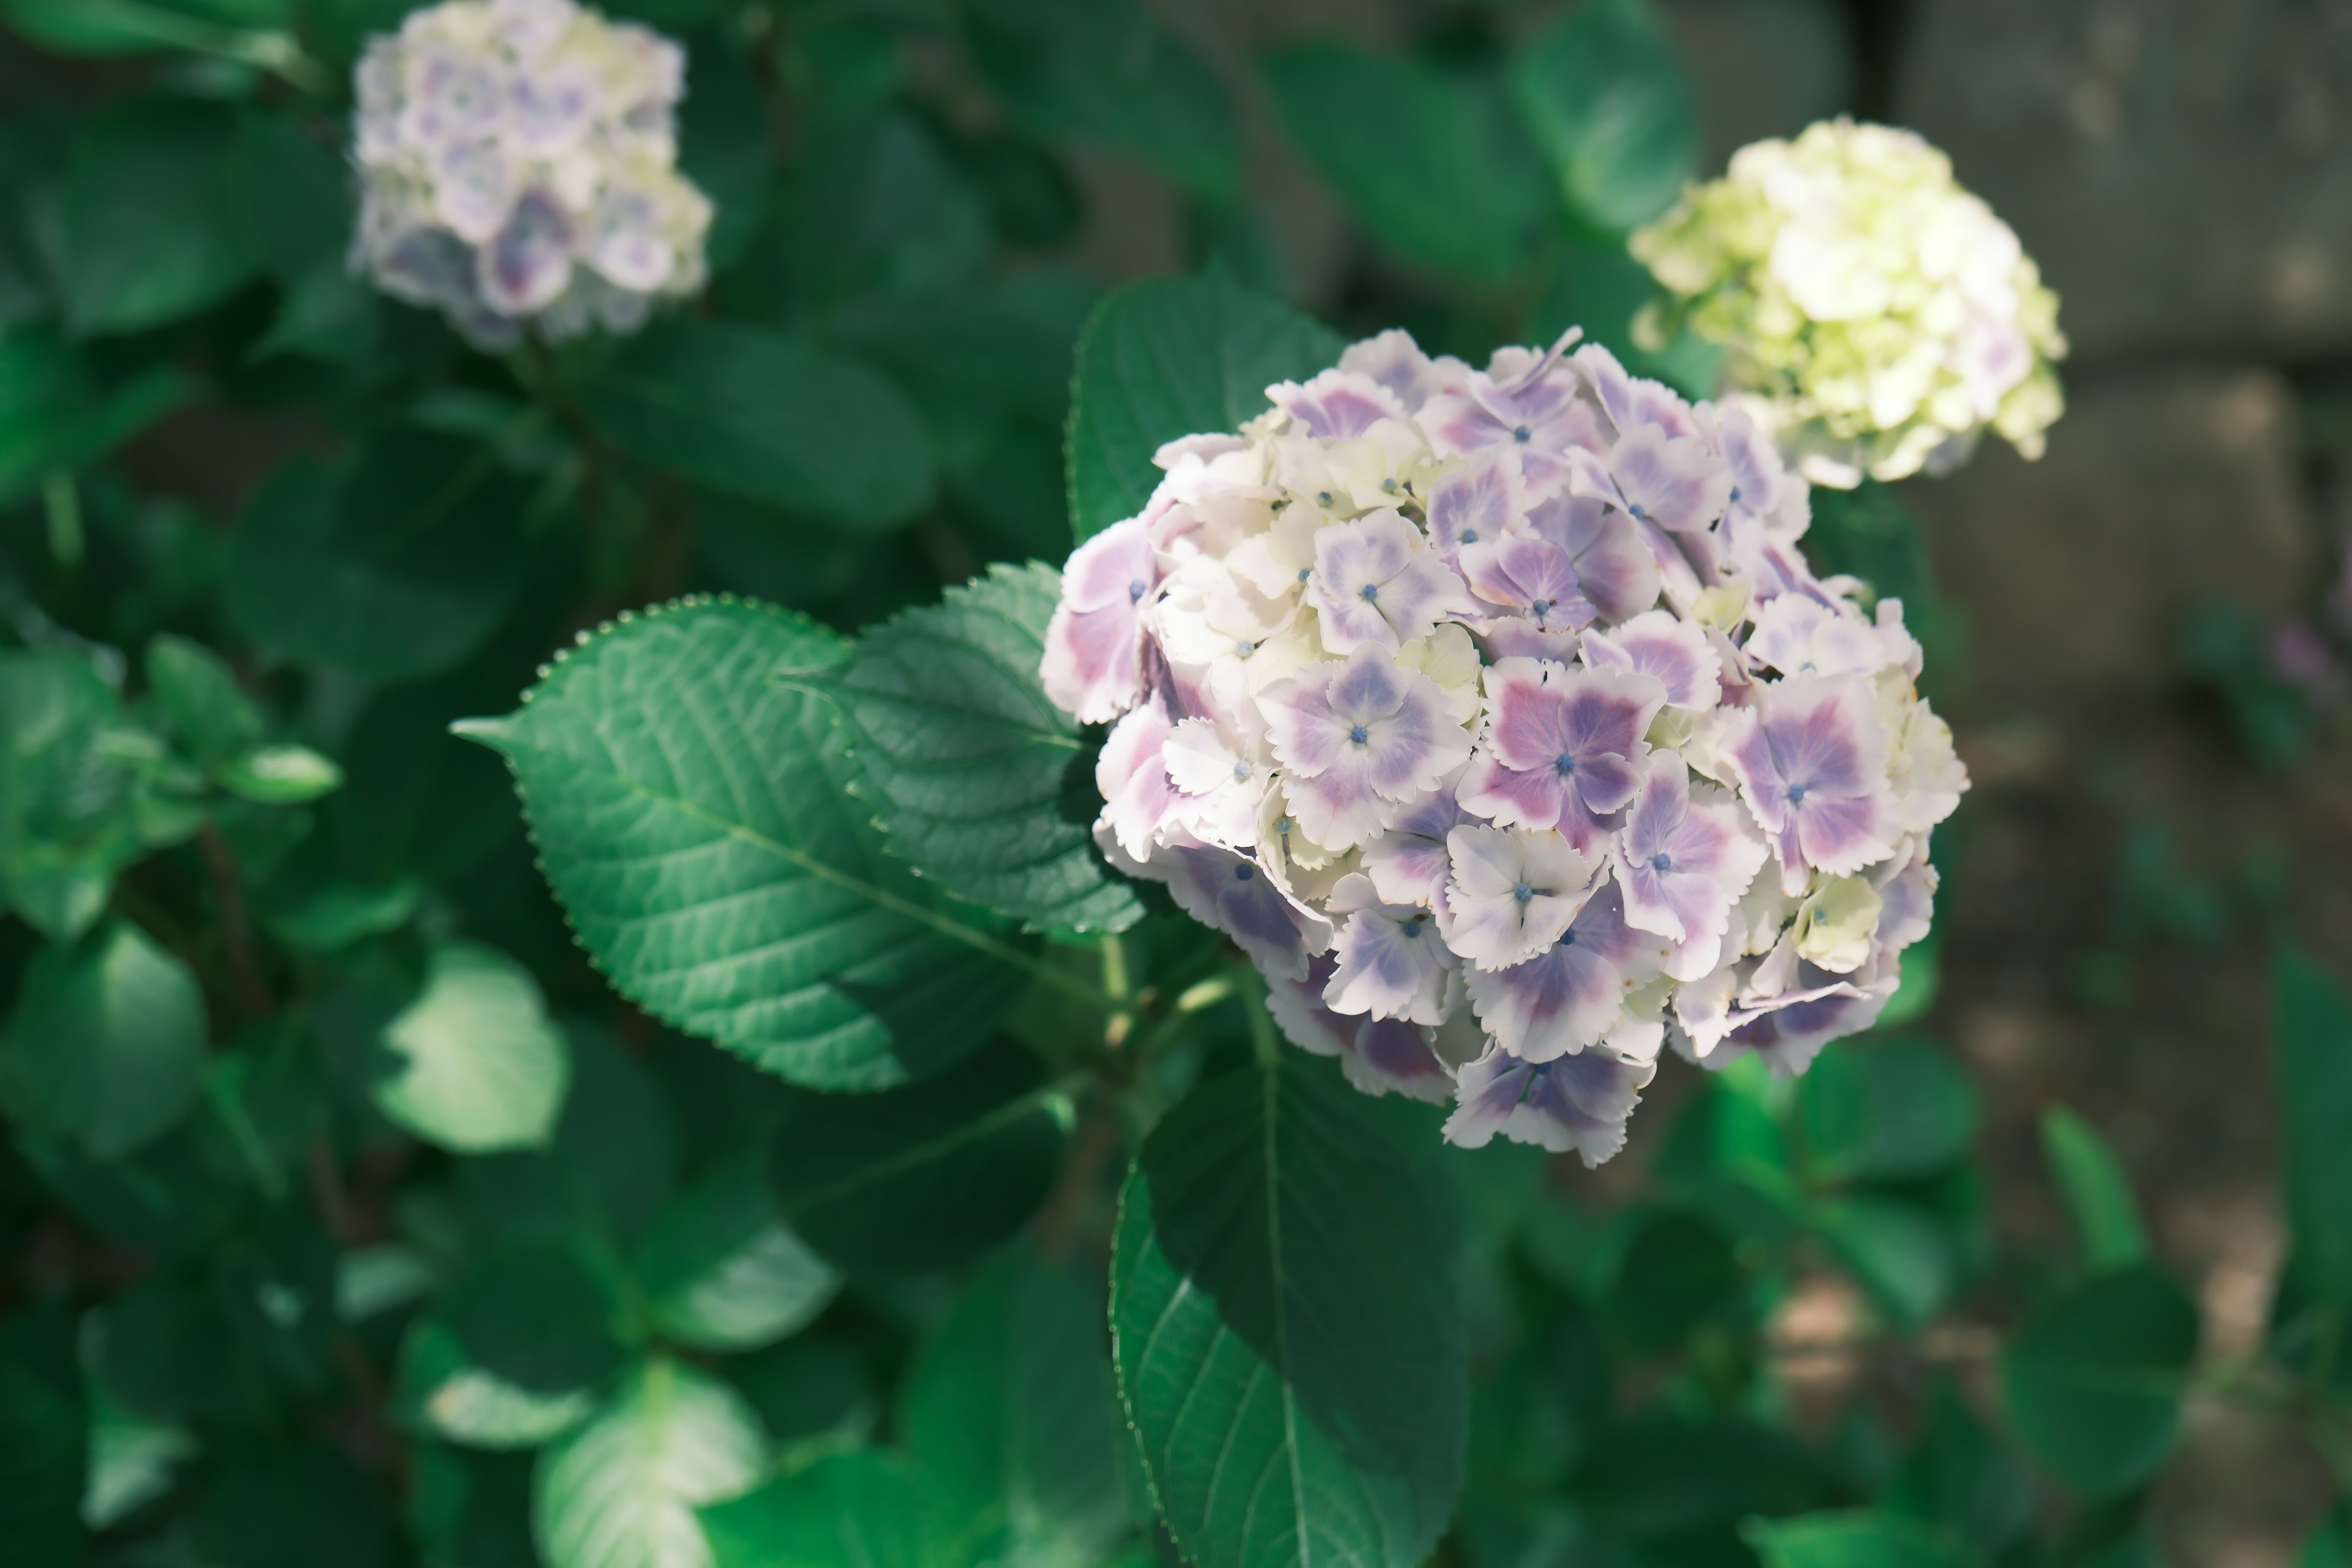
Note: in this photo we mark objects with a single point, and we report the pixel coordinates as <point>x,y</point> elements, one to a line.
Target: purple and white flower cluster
<point>517,162</point>
<point>1497,716</point>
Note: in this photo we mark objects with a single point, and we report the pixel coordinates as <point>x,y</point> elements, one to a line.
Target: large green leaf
<point>519,1348</point>
<point>1960,1476</point>
<point>107,1042</point>
<point>1107,71</point>
<point>393,566</point>
<point>1606,98</point>
<point>43,1446</point>
<point>756,415</point>
<point>1286,1318</point>
<point>1170,357</point>
<point>621,1491</point>
<point>477,1066</point>
<point>1855,1538</point>
<point>926,1176</point>
<point>1885,1111</point>
<point>146,230</point>
<point>2094,1382</point>
<point>1010,1412</point>
<point>689,808</point>
<point>719,1271</point>
<point>2097,1192</point>
<point>865,1508</point>
<point>57,415</point>
<point>442,1389</point>
<point>1427,156</point>
<point>2313,1026</point>
<point>980,780</point>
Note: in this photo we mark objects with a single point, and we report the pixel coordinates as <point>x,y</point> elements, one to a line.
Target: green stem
<point>61,498</point>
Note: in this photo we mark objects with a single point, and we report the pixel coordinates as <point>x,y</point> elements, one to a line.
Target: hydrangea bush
<point>844,1116</point>
<point>1876,318</point>
<point>1497,717</point>
<point>518,168</point>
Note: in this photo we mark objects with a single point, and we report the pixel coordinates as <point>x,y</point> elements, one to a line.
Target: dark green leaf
<point>1175,356</point>
<point>866,1508</point>
<point>1896,1251</point>
<point>1602,288</point>
<point>470,1509</point>
<point>441,1389</point>
<point>1958,1476</point>
<point>1427,157</point>
<point>1677,1273</point>
<point>1868,532</point>
<point>1858,1538</point>
<point>1107,71</point>
<point>107,1042</point>
<point>2094,1382</point>
<point>199,697</point>
<point>1605,98</point>
<point>1885,1111</point>
<point>926,1176</point>
<point>874,209</point>
<point>719,1269</point>
<point>1286,1318</point>
<point>294,198</point>
<point>290,1505</point>
<point>1661,1475</point>
<point>395,566</point>
<point>812,1395</point>
<point>756,415</point>
<point>146,224</point>
<point>980,780</point>
<point>43,1451</point>
<point>56,417</point>
<point>621,1492</point>
<point>2312,1025</point>
<point>689,808</point>
<point>2097,1192</point>
<point>1009,1412</point>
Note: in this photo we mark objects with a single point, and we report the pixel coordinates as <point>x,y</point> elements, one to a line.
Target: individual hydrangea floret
<point>518,170</point>
<point>1875,318</point>
<point>1498,718</point>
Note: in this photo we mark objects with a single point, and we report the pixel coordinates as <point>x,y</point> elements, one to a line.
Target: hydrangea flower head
<point>517,168</point>
<point>1877,319</point>
<point>1497,717</point>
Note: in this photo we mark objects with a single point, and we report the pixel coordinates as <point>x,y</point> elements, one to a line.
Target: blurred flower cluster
<point>1876,318</point>
<point>518,159</point>
<point>1498,718</point>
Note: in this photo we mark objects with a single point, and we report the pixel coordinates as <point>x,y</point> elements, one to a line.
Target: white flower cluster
<point>1497,716</point>
<point>1876,318</point>
<point>518,160</point>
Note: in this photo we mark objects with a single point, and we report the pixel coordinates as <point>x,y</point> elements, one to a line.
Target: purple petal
<point>1407,863</point>
<point>1390,1056</point>
<point>1479,501</point>
<point>1336,405</point>
<point>1582,1102</point>
<point>1671,651</point>
<point>1615,567</point>
<point>1392,965</point>
<point>1513,797</point>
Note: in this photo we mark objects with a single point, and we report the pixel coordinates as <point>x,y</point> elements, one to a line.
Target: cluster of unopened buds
<point>1875,318</point>
<point>518,165</point>
<point>1497,716</point>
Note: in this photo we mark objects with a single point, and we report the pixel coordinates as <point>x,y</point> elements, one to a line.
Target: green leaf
<point>480,1066</point>
<point>1856,1538</point>
<point>1606,98</point>
<point>132,1462</point>
<point>1897,1252</point>
<point>2094,1382</point>
<point>107,1042</point>
<point>1602,288</point>
<point>922,1177</point>
<point>281,775</point>
<point>720,1272</point>
<point>43,1448</point>
<point>1009,1412</point>
<point>2313,1026</point>
<point>444,1389</point>
<point>690,811</point>
<point>1678,1273</point>
<point>2329,1544</point>
<point>201,700</point>
<point>860,1509</point>
<point>146,231</point>
<point>1958,1476</point>
<point>468,1508</point>
<point>813,1396</point>
<point>2099,1194</point>
<point>1868,532</point>
<point>1885,1111</point>
<point>1170,357</point>
<point>393,566</point>
<point>980,780</point>
<point>756,415</point>
<point>1107,71</point>
<point>1426,156</point>
<point>621,1492</point>
<point>55,413</point>
<point>1286,1321</point>
<point>116,27</point>
<point>294,199</point>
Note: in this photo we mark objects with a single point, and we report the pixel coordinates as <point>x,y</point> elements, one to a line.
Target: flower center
<point>1359,734</point>
<point>1796,795</point>
<point>1371,593</point>
<point>1282,825</point>
<point>1241,771</point>
<point>1137,589</point>
<point>1523,893</point>
<point>1640,515</point>
<point>1522,434</point>
<point>1412,926</point>
<point>1565,763</point>
<point>1735,495</point>
<point>1469,536</point>
<point>1567,937</point>
<point>1661,861</point>
<point>1540,608</point>
<point>1245,871</point>
<point>1305,573</point>
<point>1389,486</point>
<point>1323,497</point>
